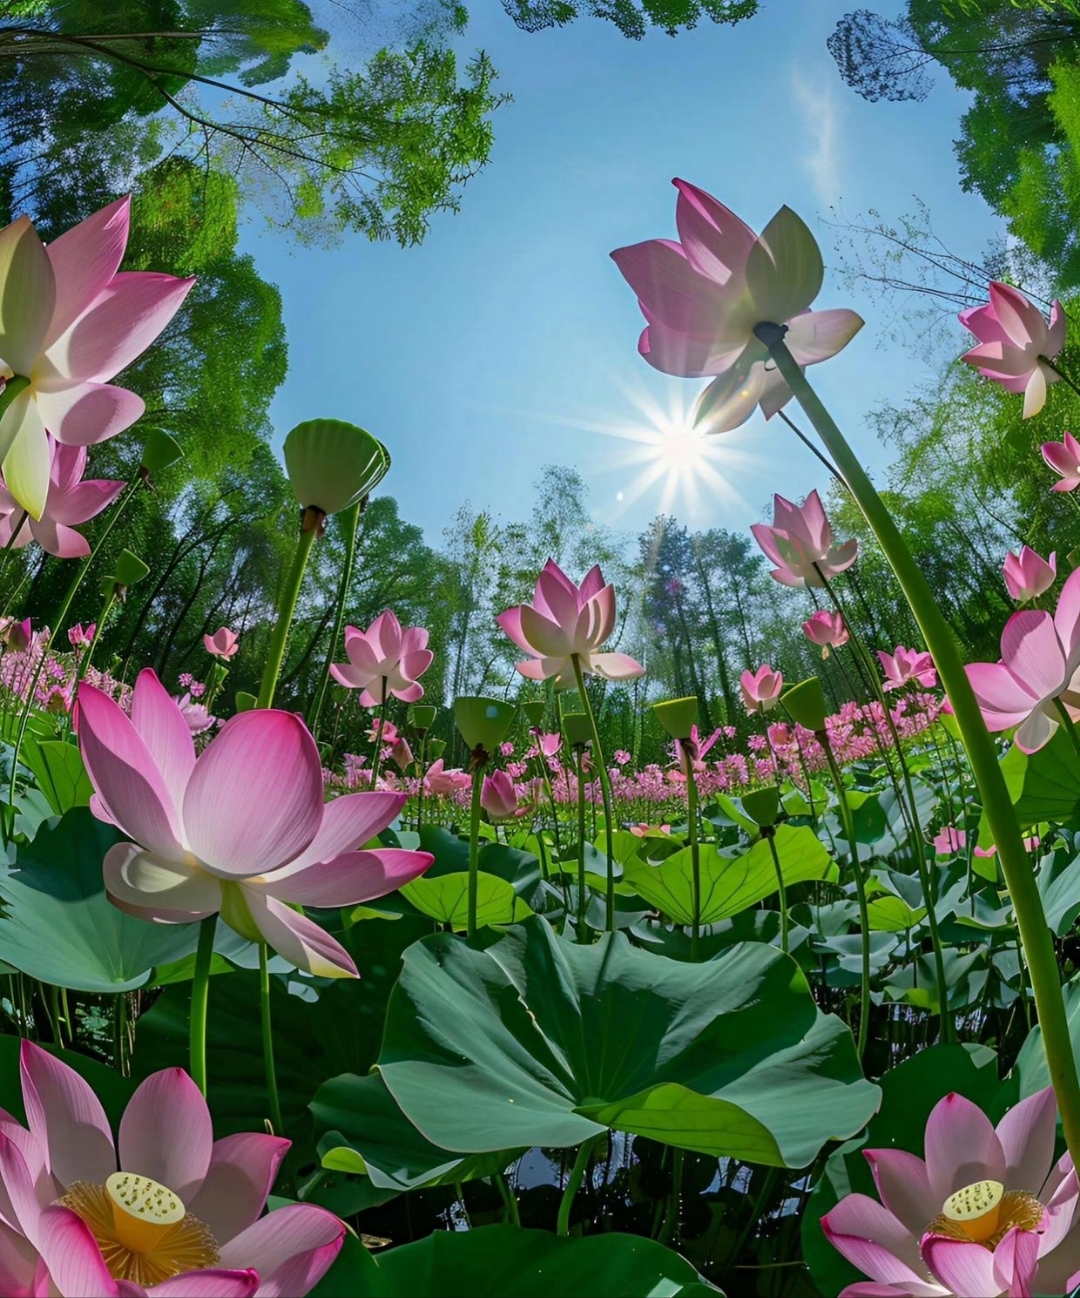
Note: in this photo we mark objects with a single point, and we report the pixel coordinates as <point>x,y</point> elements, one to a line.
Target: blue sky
<point>508,339</point>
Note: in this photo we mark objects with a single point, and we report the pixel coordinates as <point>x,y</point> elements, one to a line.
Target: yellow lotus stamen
<point>976,1209</point>
<point>145,1233</point>
<point>984,1212</point>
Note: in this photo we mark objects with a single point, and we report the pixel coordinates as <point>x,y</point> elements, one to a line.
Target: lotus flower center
<point>145,1233</point>
<point>984,1212</point>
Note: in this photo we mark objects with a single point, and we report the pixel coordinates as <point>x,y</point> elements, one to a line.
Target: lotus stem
<point>350,521</point>
<point>1035,934</point>
<point>290,593</point>
<point>860,889</point>
<point>695,856</point>
<point>605,794</point>
<point>581,1162</point>
<point>918,846</point>
<point>581,889</point>
<point>268,1040</point>
<point>768,832</point>
<point>474,846</point>
<point>200,996</point>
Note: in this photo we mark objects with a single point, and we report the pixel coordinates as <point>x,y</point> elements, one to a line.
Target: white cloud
<point>820,113</point>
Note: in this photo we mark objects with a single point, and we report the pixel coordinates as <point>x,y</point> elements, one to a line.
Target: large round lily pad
<point>507,1262</point>
<point>535,1041</point>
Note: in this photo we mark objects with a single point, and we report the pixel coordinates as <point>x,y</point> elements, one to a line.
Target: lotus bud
<point>577,729</point>
<point>534,712</point>
<point>332,464</point>
<point>483,723</point>
<point>677,716</point>
<point>806,704</point>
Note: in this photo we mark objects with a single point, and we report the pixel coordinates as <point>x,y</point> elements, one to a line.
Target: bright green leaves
<point>506,1262</point>
<point>729,886</point>
<point>535,1041</point>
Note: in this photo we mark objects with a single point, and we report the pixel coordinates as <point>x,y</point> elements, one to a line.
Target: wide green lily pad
<point>507,1262</point>
<point>535,1041</point>
<point>59,926</point>
<point>729,886</point>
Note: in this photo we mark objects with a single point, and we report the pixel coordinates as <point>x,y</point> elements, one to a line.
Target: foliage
<point>632,17</point>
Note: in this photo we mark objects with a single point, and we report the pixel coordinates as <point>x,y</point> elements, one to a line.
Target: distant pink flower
<point>241,830</point>
<point>546,742</point>
<point>907,666</point>
<point>385,660</point>
<point>702,297</point>
<point>1030,844</point>
<point>761,690</point>
<point>70,503</point>
<point>982,1215</point>
<point>1028,575</point>
<point>196,715</point>
<point>1015,343</point>
<point>620,757</point>
<point>222,644</point>
<point>1064,458</point>
<point>79,635</point>
<point>166,1211</point>
<point>641,829</point>
<point>800,543</point>
<point>780,734</point>
<point>565,622</point>
<point>949,839</point>
<point>1040,663</point>
<point>17,636</point>
<point>443,782</point>
<point>826,629</point>
<point>498,797</point>
<point>689,753</point>
<point>506,749</point>
<point>401,754</point>
<point>383,732</point>
<point>72,320</point>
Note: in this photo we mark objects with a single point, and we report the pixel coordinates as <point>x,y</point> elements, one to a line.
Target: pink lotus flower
<point>949,839</point>
<point>703,296</point>
<point>690,753</point>
<point>17,636</point>
<point>79,635</point>
<point>905,666</point>
<point>547,743</point>
<point>196,715</point>
<point>70,502</point>
<point>983,1215</point>
<point>565,621</point>
<point>222,644</point>
<point>401,754</point>
<point>826,629</point>
<point>1015,344</point>
<point>387,657</point>
<point>1030,844</point>
<point>443,782</point>
<point>167,1211</point>
<point>800,543</point>
<point>1064,458</point>
<point>498,797</point>
<point>241,830</point>
<point>1040,663</point>
<point>1028,575</point>
<point>71,322</point>
<point>761,690</point>
<point>641,829</point>
<point>780,734</point>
